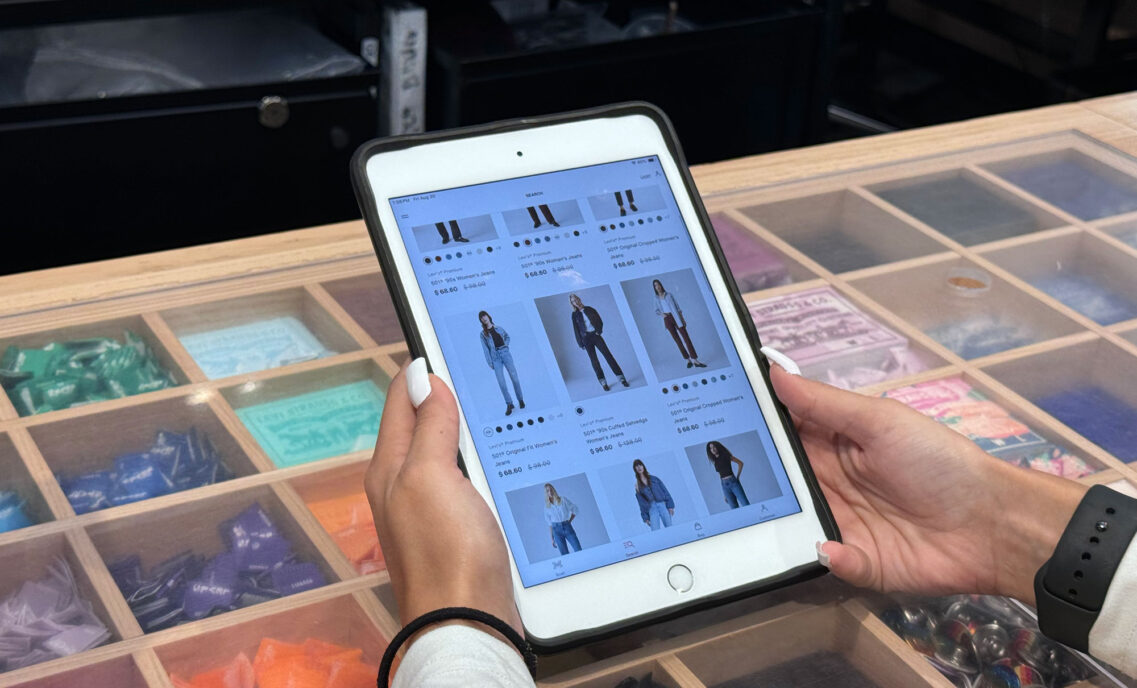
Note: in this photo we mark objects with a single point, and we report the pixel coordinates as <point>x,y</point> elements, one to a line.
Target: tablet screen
<point>609,408</point>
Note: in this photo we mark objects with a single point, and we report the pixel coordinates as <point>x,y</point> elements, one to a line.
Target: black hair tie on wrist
<point>446,614</point>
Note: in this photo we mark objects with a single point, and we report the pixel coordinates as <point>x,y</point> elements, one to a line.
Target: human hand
<point>920,507</point>
<point>647,523</point>
<point>441,543</point>
<point>671,512</point>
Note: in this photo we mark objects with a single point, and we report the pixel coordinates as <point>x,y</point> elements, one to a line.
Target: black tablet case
<point>367,203</point>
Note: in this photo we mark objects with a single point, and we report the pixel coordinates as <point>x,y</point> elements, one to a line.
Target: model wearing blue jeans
<point>653,497</point>
<point>724,463</point>
<point>563,536</point>
<point>495,346</point>
<point>733,493</point>
<point>560,512</point>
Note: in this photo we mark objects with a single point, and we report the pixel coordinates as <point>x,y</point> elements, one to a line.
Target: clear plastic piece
<point>843,231</point>
<point>315,415</point>
<point>262,332</point>
<point>832,340</point>
<point>1086,188</point>
<point>965,207</point>
<point>1087,386</point>
<point>329,643</point>
<point>367,301</point>
<point>1081,271</point>
<point>965,308</point>
<point>157,449</point>
<point>755,264</point>
<point>976,640</point>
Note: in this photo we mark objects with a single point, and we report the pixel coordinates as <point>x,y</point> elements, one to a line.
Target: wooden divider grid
<point>692,659</point>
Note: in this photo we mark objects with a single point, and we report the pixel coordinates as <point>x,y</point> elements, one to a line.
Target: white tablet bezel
<point>638,587</point>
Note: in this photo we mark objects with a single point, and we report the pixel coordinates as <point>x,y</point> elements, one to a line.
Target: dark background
<point>90,179</point>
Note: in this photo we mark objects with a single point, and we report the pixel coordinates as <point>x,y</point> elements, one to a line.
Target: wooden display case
<point>826,213</point>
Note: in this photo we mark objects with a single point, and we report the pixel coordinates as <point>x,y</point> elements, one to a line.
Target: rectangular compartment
<point>337,499</point>
<point>997,427</point>
<point>82,447</point>
<point>313,415</point>
<point>755,264</point>
<point>965,308</point>
<point>965,207</point>
<point>120,672</point>
<point>1124,231</point>
<point>29,508</point>
<point>835,341</point>
<point>646,674</point>
<point>842,231</point>
<point>814,643</point>
<point>962,636</point>
<point>1083,186</point>
<point>259,332</point>
<point>340,621</point>
<point>158,536</point>
<point>367,300</point>
<point>166,372</point>
<point>1081,271</point>
<point>1087,386</point>
<point>28,561</point>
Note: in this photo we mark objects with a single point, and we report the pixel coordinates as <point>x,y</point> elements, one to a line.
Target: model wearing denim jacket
<point>656,491</point>
<point>488,347</point>
<point>580,327</point>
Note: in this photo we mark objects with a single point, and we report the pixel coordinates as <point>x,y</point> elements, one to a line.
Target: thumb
<point>435,435</point>
<point>847,413</point>
<point>847,562</point>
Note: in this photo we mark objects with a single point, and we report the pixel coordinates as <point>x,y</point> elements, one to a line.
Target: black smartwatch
<point>1070,588</point>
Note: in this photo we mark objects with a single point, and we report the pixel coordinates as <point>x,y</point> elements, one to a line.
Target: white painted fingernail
<point>781,359</point>
<point>822,557</point>
<point>418,381</point>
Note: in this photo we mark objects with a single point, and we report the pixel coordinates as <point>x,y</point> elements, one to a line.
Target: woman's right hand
<point>920,507</point>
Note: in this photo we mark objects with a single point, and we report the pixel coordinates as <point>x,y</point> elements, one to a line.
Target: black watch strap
<point>1070,589</point>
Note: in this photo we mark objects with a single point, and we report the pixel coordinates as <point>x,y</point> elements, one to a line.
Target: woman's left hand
<point>441,542</point>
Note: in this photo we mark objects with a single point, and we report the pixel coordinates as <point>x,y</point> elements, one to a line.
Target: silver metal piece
<point>273,112</point>
<point>992,643</point>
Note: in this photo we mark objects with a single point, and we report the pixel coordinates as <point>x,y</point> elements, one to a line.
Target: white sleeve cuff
<point>457,656</point>
<point>1114,636</point>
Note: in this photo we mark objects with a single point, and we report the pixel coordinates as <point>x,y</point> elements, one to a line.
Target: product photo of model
<point>674,322</point>
<point>455,232</point>
<point>655,502</point>
<point>474,229</point>
<point>495,345</point>
<point>544,211</point>
<point>631,202</point>
<point>724,463</point>
<point>560,512</point>
<point>680,333</point>
<point>589,329</point>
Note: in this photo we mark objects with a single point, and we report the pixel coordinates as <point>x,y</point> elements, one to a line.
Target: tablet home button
<point>680,578</point>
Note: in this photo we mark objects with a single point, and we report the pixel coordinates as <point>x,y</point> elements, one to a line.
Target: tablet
<point>562,276</point>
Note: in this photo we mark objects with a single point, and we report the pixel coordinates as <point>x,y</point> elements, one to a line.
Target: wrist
<point>1031,511</point>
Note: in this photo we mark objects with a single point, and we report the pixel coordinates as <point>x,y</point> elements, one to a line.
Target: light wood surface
<point>328,278</point>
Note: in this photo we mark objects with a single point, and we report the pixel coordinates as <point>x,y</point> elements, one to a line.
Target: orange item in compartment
<point>292,672</point>
<point>348,520</point>
<point>313,663</point>
<point>339,513</point>
<point>237,674</point>
<point>272,651</point>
